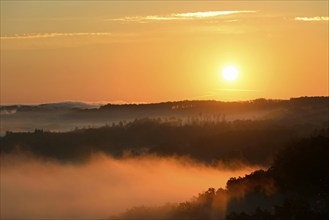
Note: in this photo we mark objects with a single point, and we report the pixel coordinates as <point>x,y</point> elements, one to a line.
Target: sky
<point>156,51</point>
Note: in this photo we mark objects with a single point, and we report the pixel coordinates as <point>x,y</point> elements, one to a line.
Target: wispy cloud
<point>318,18</point>
<point>178,16</point>
<point>207,14</point>
<point>51,35</point>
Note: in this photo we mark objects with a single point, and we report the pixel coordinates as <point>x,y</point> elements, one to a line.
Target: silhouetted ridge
<point>294,187</point>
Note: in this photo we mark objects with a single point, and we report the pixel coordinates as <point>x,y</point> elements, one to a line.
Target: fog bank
<point>102,187</point>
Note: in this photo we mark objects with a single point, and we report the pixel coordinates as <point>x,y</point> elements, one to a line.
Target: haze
<point>175,110</point>
<point>98,51</point>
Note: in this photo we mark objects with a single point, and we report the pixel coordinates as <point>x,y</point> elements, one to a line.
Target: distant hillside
<point>68,116</point>
<point>48,106</point>
<point>207,105</point>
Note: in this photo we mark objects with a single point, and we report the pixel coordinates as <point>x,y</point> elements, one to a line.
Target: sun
<point>230,73</point>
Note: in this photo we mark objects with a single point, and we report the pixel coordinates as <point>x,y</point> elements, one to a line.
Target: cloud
<point>51,35</point>
<point>318,18</point>
<point>179,16</point>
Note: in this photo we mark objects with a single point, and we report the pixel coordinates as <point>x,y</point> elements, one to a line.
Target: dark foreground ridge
<point>296,186</point>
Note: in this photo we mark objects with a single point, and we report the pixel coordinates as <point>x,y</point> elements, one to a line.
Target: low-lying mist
<point>34,187</point>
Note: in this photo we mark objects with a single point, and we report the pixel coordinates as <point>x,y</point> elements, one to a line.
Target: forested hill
<point>247,141</point>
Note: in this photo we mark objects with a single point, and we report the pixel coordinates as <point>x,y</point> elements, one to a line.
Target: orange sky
<point>159,51</point>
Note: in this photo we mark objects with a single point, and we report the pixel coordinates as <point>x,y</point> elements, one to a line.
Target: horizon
<point>102,103</point>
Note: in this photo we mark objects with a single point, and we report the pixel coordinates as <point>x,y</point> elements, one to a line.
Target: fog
<point>102,187</point>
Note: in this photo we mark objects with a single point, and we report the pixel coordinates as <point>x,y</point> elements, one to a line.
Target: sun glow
<point>230,73</point>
